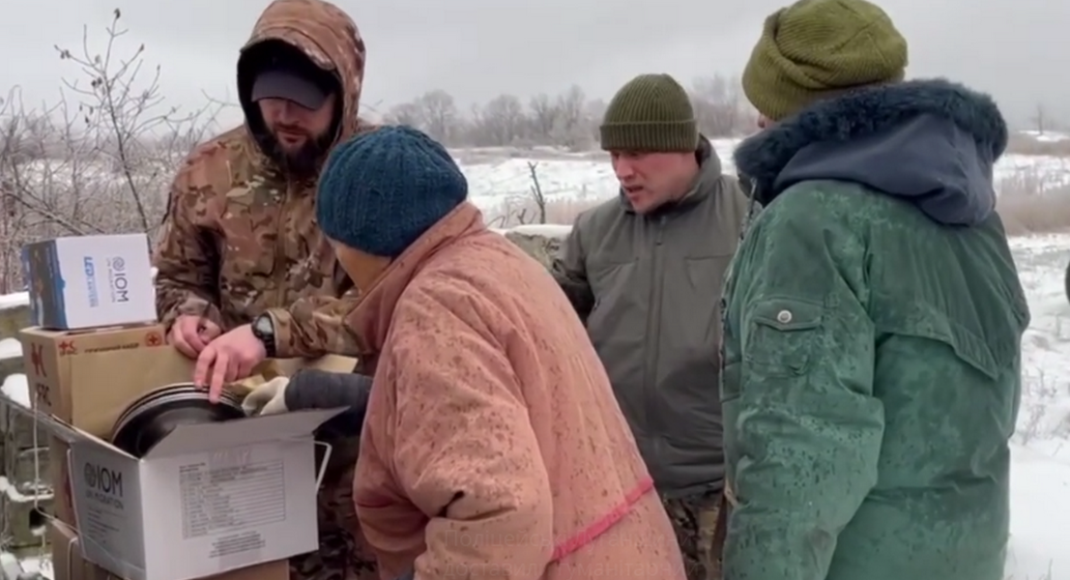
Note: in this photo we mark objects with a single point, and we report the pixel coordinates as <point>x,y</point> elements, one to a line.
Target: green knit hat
<point>651,112</point>
<point>818,48</point>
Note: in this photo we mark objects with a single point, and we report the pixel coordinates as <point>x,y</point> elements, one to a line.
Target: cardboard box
<point>90,281</point>
<point>86,379</point>
<point>73,377</point>
<point>207,499</point>
<point>60,477</point>
<point>68,564</point>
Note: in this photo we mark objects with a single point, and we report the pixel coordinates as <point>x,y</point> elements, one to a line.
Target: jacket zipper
<point>652,408</point>
<point>280,250</point>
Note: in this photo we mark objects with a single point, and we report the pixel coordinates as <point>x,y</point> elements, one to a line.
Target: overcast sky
<point>476,49</point>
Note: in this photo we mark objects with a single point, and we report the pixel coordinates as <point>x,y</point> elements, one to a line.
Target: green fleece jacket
<point>873,324</point>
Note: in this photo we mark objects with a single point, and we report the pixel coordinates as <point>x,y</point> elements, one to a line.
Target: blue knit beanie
<point>382,190</point>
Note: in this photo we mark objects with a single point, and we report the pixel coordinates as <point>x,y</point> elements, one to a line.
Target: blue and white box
<point>90,281</point>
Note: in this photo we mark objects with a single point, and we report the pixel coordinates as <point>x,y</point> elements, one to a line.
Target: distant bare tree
<point>570,125</point>
<point>596,110</point>
<point>543,115</point>
<point>567,119</point>
<point>438,114</point>
<point>407,114</point>
<point>719,106</point>
<point>1040,119</point>
<point>500,122</point>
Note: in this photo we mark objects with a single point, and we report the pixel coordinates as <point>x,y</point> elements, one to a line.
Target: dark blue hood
<point>931,142</point>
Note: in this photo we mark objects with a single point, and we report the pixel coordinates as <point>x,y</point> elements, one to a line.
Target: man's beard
<point>305,161</point>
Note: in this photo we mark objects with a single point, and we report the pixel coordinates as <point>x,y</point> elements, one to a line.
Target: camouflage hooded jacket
<point>240,238</point>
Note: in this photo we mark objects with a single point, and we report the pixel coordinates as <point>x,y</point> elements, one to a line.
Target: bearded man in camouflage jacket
<point>244,272</point>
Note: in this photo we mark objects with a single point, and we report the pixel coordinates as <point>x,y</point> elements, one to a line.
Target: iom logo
<point>103,484</point>
<point>118,280</point>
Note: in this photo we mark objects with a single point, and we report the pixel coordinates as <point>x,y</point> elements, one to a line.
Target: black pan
<point>154,416</point>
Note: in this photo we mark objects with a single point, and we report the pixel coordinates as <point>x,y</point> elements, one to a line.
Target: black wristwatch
<point>264,330</point>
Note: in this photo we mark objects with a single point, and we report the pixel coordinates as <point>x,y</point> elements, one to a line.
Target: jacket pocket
<point>780,338</point>
<point>613,286</point>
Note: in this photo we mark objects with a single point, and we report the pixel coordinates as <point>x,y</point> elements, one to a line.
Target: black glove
<point>316,389</point>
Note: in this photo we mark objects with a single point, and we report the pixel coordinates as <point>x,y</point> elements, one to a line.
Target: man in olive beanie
<point>873,316</point>
<point>644,271</point>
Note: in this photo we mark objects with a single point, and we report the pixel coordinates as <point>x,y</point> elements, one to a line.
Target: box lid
<point>208,436</point>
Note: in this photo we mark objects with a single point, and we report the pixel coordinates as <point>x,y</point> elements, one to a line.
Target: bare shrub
<point>519,210</point>
<point>1034,201</point>
<point>1023,215</point>
<point>98,161</point>
<point>721,108</point>
<point>1022,144</point>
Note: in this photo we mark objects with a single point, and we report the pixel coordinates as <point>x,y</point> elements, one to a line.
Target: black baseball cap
<point>292,85</point>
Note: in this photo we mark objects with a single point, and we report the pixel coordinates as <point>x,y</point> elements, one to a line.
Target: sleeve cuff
<point>193,306</point>
<point>282,321</point>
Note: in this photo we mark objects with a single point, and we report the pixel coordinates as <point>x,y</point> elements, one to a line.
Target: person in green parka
<point>873,315</point>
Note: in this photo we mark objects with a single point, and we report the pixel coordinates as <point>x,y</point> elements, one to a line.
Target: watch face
<point>263,325</point>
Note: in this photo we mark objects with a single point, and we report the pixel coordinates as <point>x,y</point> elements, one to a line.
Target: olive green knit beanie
<point>818,48</point>
<point>652,112</point>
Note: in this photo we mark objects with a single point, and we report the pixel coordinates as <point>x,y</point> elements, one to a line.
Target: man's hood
<point>931,142</point>
<point>706,182</point>
<point>327,36</point>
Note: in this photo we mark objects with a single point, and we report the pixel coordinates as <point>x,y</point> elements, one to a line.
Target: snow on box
<point>17,388</point>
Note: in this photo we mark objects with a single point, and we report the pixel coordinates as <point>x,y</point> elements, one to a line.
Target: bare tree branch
<point>99,159</point>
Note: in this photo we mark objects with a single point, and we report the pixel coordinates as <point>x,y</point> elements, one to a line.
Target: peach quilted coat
<point>493,447</point>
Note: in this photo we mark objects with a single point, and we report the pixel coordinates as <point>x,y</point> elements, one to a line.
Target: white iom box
<point>207,499</point>
<point>90,281</point>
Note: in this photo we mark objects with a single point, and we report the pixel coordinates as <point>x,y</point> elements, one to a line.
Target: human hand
<point>228,358</point>
<point>190,334</point>
<point>267,399</point>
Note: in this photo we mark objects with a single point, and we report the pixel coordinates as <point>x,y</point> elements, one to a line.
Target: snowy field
<point>588,177</point>
<point>499,178</point>
<point>1041,483</point>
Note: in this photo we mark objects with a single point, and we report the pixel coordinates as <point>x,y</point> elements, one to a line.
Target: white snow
<point>43,565</point>
<point>17,389</point>
<point>544,230</point>
<point>10,348</point>
<point>1040,508</point>
<point>1047,136</point>
<point>12,493</point>
<point>14,300</point>
<point>498,180</point>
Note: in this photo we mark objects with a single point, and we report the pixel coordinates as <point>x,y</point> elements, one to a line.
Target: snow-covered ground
<point>1040,488</point>
<point>589,177</point>
<point>500,177</point>
<point>1047,136</point>
<point>1041,479</point>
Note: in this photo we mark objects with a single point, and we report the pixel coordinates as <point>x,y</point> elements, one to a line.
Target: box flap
<point>75,436</point>
<point>208,436</point>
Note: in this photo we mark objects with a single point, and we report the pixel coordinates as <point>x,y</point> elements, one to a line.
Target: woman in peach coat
<point>492,446</point>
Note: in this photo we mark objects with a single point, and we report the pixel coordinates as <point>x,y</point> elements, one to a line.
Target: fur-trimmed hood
<point>932,142</point>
